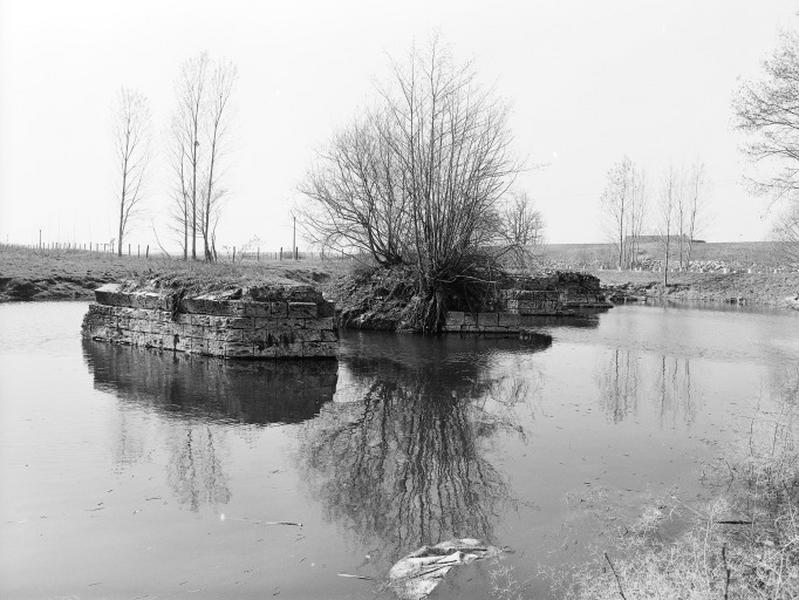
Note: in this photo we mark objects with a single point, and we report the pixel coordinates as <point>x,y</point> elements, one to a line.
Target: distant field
<point>767,254</point>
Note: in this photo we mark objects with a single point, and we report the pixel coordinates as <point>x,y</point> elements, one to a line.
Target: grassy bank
<point>750,273</point>
<point>742,544</point>
<point>759,289</point>
<point>27,274</point>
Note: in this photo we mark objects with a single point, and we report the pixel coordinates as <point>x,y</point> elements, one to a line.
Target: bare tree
<point>131,136</point>
<point>680,223</point>
<point>669,193</point>
<point>695,205</point>
<point>787,229</point>
<point>615,203</point>
<point>766,110</point>
<point>419,179</point>
<point>522,225</point>
<point>638,213</point>
<point>624,207</point>
<point>360,200</point>
<point>181,192</point>
<point>200,132</point>
<point>191,90</point>
<point>223,76</point>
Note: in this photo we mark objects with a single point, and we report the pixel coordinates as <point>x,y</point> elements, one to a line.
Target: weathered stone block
<point>108,294</point>
<point>279,309</point>
<point>271,324</point>
<point>238,350</point>
<point>257,309</point>
<point>288,321</point>
<point>303,293</point>
<point>329,336</point>
<point>454,318</point>
<point>240,323</point>
<point>148,300</point>
<point>487,319</point>
<point>326,309</point>
<point>199,345</point>
<point>508,320</point>
<point>263,351</point>
<point>317,349</point>
<point>302,310</point>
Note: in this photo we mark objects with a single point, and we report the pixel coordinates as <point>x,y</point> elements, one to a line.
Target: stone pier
<point>528,301</point>
<point>281,321</point>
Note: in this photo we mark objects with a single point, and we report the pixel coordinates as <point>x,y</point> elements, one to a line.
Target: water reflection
<point>200,387</point>
<point>619,381</point>
<point>399,460</point>
<point>618,384</point>
<point>194,470</point>
<point>196,394</point>
<point>675,393</point>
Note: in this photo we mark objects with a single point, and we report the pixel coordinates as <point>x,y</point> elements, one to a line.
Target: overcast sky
<point>588,81</point>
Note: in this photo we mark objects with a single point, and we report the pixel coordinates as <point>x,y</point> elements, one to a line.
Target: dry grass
<point>51,274</point>
<point>743,544</point>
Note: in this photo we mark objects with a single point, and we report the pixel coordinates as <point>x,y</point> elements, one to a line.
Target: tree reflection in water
<point>196,397</point>
<point>194,471</point>
<point>399,460</point>
<point>623,373</point>
<point>618,385</point>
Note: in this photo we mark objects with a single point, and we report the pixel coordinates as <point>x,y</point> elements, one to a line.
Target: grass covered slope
<point>72,274</point>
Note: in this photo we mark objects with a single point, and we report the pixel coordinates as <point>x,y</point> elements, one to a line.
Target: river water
<point>129,473</point>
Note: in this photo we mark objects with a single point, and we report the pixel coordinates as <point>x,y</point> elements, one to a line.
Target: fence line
<point>232,254</point>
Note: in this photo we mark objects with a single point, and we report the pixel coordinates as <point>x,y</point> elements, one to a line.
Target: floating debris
<point>352,576</point>
<point>415,576</point>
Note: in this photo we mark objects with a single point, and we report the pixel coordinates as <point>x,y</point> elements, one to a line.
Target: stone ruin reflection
<point>255,392</point>
<point>399,459</point>
<point>199,393</point>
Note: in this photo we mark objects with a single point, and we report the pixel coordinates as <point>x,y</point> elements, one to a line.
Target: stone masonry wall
<point>256,323</point>
<point>488,322</point>
<point>522,306</point>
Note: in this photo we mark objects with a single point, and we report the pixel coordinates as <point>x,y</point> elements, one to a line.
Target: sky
<point>588,82</point>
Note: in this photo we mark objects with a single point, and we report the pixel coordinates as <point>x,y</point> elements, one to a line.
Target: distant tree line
<point>678,209</point>
<point>197,149</point>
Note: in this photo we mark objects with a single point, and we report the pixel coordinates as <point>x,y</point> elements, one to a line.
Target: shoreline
<point>766,290</point>
<point>27,276</point>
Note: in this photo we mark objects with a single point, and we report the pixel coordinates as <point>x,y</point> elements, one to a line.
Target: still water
<point>129,473</point>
